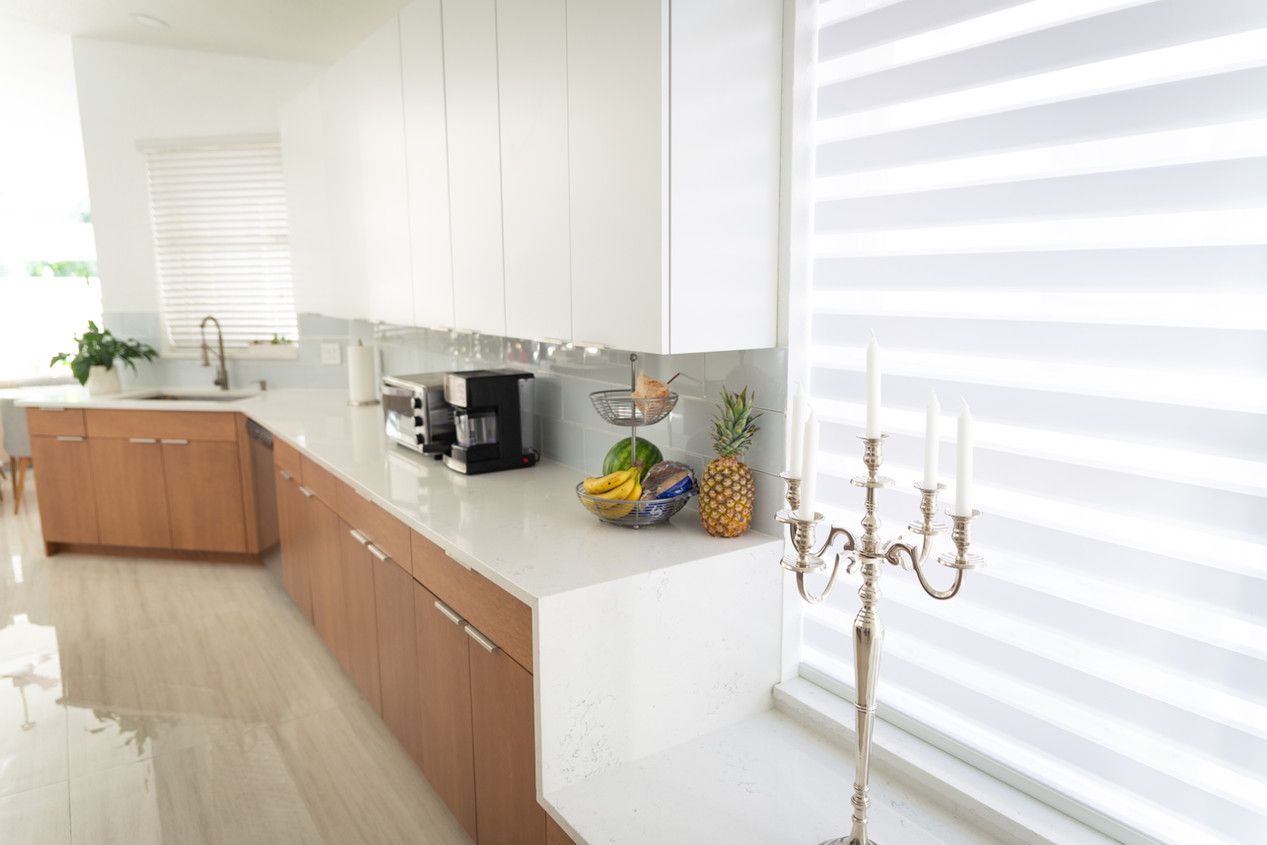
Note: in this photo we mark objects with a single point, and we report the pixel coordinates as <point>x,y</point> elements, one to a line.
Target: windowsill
<point>938,782</point>
<point>785,775</point>
<point>266,352</point>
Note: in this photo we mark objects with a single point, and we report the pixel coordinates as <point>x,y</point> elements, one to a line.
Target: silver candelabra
<point>868,633</point>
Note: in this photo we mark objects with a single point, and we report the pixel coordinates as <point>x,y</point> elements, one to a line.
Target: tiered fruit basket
<point>622,408</point>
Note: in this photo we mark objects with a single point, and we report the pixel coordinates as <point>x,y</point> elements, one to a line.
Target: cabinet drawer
<point>383,530</point>
<point>286,457</point>
<point>500,616</point>
<point>54,421</point>
<point>319,481</point>
<point>182,425</point>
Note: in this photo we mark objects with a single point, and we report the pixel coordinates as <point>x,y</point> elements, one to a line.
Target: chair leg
<point>19,480</point>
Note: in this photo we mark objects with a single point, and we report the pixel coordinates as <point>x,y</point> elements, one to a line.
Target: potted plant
<point>98,350</point>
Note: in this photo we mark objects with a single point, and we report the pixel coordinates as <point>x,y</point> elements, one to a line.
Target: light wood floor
<point>153,701</point>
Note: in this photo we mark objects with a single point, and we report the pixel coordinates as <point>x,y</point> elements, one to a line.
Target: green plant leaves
<point>100,347</point>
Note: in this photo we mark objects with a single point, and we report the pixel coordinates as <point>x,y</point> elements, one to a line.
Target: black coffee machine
<point>492,415</point>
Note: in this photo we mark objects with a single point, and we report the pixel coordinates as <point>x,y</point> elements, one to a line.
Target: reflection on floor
<point>157,701</point>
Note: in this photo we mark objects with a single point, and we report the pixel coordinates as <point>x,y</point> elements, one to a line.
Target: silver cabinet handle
<point>285,474</point>
<point>377,552</point>
<point>69,438</point>
<point>51,410</point>
<point>142,440</point>
<point>359,537</point>
<point>485,643</point>
<point>174,441</point>
<point>307,493</point>
<point>448,612</point>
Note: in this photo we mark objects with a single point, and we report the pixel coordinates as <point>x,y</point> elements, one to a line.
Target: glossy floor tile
<point>146,701</point>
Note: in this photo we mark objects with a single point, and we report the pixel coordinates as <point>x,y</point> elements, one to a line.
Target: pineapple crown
<point>734,424</point>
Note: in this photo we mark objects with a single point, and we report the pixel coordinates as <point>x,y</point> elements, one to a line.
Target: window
<point>220,240</point>
<point>1058,211</point>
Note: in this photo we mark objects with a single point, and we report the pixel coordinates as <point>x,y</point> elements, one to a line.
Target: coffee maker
<point>492,416</point>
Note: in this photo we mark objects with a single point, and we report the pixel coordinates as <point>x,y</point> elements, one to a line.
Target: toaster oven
<point>415,414</point>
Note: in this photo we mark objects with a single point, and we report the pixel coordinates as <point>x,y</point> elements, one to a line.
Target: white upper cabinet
<point>475,213</point>
<point>366,188</point>
<point>304,170</point>
<point>674,135</point>
<point>426,153</point>
<point>380,126</point>
<point>599,171</point>
<point>533,87</point>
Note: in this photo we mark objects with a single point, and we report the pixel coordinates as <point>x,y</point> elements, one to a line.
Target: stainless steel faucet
<point>222,374</point>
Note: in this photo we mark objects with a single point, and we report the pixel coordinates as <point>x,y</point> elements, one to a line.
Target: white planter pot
<point>102,380</point>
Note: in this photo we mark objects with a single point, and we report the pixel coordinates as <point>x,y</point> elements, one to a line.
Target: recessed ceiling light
<point>149,20</point>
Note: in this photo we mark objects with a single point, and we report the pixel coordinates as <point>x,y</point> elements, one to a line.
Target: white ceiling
<point>300,30</point>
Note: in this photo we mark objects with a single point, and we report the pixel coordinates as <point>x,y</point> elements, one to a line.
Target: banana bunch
<point>622,488</point>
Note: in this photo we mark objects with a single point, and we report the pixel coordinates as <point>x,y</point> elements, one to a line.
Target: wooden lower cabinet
<point>556,835</point>
<point>505,750</point>
<point>321,552</point>
<point>68,507</point>
<point>131,493</point>
<point>444,691</point>
<point>397,652</point>
<point>361,613</point>
<point>290,527</point>
<point>204,495</point>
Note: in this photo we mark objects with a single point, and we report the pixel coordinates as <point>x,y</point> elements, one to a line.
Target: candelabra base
<point>850,840</point>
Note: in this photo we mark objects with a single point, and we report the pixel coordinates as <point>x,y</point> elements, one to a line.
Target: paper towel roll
<point>362,388</point>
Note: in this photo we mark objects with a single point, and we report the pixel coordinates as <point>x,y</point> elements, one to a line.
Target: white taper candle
<point>963,464</point>
<point>873,388</point>
<point>809,466</point>
<point>932,446</point>
<point>796,434</point>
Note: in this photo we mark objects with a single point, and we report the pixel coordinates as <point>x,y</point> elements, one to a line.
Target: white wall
<point>129,93</point>
<point>43,189</point>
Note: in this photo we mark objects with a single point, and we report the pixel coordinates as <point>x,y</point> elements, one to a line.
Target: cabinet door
<point>505,747</point>
<point>321,549</point>
<point>68,509</point>
<point>617,151</point>
<point>444,689</point>
<point>290,525</point>
<point>397,650</point>
<point>204,495</point>
<point>307,202</point>
<point>532,85</point>
<point>475,212</point>
<point>427,158</point>
<point>130,489</point>
<point>362,624</point>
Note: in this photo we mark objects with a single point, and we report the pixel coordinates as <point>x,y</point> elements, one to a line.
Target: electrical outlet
<point>331,353</point>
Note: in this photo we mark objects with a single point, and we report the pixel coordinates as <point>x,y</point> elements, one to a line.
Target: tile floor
<point>151,701</point>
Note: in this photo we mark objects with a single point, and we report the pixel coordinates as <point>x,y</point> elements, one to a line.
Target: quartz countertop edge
<point>508,526</point>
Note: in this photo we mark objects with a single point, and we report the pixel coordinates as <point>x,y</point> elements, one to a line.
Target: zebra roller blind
<point>1058,211</point>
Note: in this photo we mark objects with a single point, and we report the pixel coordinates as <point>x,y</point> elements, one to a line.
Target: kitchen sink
<point>190,397</point>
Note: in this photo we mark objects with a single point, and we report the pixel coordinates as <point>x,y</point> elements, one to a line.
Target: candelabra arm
<point>894,554</point>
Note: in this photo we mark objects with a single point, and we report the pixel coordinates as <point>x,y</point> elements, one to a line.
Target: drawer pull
<point>307,493</point>
<point>448,612</point>
<point>69,438</point>
<point>485,643</point>
<point>142,440</point>
<point>378,553</point>
<point>285,474</point>
<point>51,410</point>
<point>359,537</point>
<point>175,441</point>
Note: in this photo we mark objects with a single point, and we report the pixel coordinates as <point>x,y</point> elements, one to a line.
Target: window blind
<point>220,240</point>
<point>1058,211</point>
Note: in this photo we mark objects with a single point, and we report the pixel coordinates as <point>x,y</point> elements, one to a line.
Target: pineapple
<point>726,491</point>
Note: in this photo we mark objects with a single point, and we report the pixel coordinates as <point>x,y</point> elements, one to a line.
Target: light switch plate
<point>331,353</point>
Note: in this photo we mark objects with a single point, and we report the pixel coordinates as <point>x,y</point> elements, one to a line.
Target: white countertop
<point>523,529</point>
